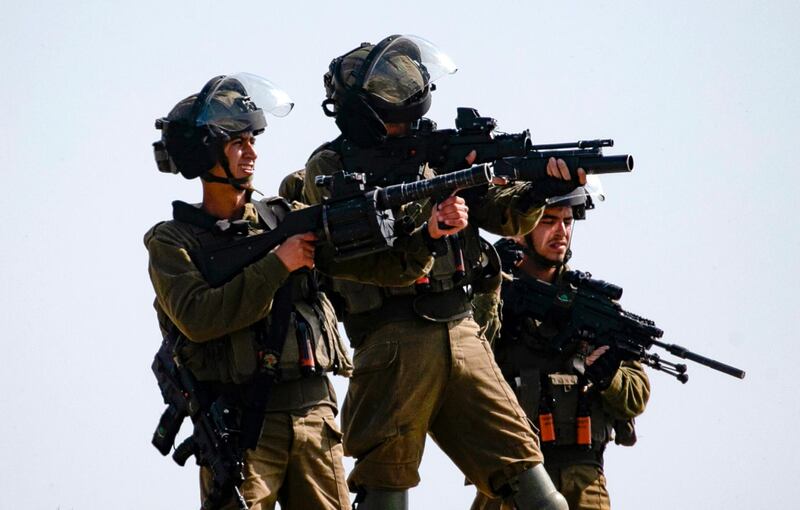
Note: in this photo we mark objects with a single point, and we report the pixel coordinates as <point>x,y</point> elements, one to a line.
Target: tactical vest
<point>543,377</point>
<point>311,319</point>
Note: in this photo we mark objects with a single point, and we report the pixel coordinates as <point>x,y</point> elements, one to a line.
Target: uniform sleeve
<point>401,266</point>
<point>498,210</point>
<point>203,312</point>
<point>629,391</point>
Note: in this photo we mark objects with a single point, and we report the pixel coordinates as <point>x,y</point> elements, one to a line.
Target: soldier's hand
<point>448,217</point>
<point>297,251</point>
<point>557,168</point>
<point>601,366</point>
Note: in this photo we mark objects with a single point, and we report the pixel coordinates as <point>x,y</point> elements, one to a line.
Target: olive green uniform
<point>576,472</point>
<point>422,367</point>
<point>298,460</point>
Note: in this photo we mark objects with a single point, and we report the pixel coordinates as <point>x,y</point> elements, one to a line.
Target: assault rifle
<point>581,307</point>
<point>215,440</point>
<point>402,159</point>
<point>354,221</point>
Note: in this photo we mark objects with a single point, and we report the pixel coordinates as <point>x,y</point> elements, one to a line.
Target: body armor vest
<point>311,327</point>
<point>546,381</point>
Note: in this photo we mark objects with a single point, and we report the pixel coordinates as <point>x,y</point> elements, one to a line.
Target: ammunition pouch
<point>564,390</point>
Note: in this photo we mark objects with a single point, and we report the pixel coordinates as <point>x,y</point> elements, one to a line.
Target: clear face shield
<point>404,67</point>
<point>581,198</point>
<point>237,103</point>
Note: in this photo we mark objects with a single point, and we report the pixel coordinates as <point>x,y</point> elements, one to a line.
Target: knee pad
<point>533,489</point>
<point>376,499</point>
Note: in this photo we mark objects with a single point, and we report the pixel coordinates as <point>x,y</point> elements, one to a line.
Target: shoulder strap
<point>272,211</point>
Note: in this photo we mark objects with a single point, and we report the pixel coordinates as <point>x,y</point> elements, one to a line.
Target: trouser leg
<point>315,476</point>
<point>264,467</point>
<point>480,424</point>
<point>399,375</point>
<point>584,487</point>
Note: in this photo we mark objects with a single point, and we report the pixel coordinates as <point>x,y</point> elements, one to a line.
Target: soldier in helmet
<point>554,387</point>
<point>421,366</point>
<point>271,314</point>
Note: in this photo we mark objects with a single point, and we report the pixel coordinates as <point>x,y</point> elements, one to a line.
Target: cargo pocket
<point>332,429</point>
<point>374,357</point>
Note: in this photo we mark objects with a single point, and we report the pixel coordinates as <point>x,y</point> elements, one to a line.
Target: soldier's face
<point>552,234</point>
<point>241,154</point>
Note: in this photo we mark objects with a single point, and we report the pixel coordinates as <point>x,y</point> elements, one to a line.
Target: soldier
<point>421,365</point>
<point>225,333</point>
<point>582,381</point>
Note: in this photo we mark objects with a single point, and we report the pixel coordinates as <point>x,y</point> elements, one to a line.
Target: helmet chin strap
<point>241,184</point>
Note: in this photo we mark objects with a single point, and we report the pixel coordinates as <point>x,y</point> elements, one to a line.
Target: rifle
<point>586,154</point>
<point>215,437</point>
<point>402,159</point>
<point>585,308</point>
<point>354,221</point>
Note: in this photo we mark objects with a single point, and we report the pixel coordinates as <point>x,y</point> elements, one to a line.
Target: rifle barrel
<point>683,352</point>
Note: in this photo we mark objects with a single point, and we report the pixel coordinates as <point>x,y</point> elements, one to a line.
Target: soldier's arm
<point>200,311</point>
<point>500,210</point>
<point>401,266</point>
<point>629,391</point>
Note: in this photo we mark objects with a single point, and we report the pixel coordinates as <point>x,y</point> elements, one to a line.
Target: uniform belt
<point>568,455</point>
<point>448,305</point>
<point>301,393</point>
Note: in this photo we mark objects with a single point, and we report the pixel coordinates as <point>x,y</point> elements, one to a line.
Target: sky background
<point>702,235</point>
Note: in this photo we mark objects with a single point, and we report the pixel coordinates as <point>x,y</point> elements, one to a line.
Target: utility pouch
<point>528,387</point>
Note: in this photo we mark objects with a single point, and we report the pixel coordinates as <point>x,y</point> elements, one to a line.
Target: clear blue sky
<point>702,235</point>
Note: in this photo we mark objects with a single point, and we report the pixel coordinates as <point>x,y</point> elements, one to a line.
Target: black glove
<point>601,366</point>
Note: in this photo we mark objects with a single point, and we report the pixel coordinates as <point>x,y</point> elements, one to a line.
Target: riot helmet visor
<point>404,68</point>
<point>236,103</point>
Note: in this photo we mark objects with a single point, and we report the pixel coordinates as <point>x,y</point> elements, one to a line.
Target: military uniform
<point>537,372</point>
<point>298,458</point>
<point>421,365</point>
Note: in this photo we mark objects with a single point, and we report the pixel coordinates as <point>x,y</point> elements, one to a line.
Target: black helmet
<point>196,129</point>
<point>387,82</point>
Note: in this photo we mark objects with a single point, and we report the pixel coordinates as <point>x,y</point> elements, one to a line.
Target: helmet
<point>387,82</point>
<point>195,131</point>
<point>581,198</point>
